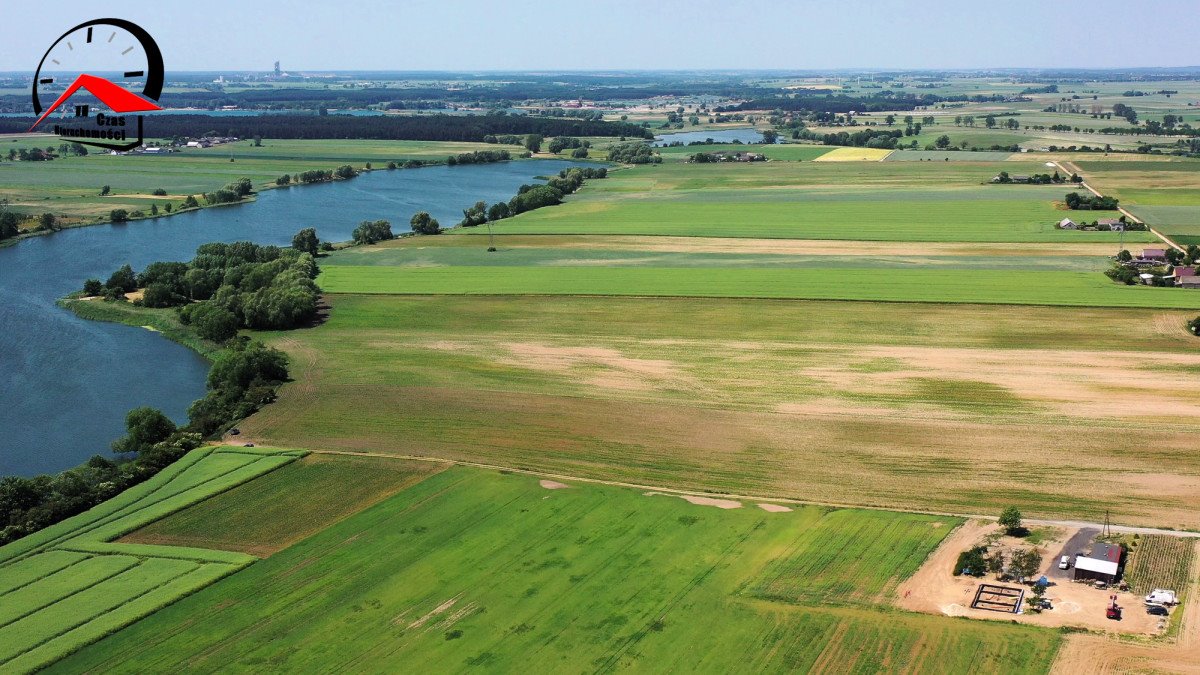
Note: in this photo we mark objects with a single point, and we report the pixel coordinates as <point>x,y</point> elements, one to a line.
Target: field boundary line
<point>1128,529</point>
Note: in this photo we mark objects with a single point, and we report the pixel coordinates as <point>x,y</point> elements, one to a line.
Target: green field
<point>866,201</point>
<point>472,569</point>
<point>68,585</point>
<point>1009,287</point>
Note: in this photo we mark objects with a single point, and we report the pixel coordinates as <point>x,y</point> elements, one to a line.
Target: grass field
<point>68,585</point>
<point>965,402</point>
<point>1012,287</point>
<point>854,155</point>
<point>471,569</point>
<point>871,201</point>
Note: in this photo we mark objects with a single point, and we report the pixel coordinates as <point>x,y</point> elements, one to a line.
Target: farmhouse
<point>1154,254</point>
<point>1181,274</point>
<point>1068,224</point>
<point>1103,564</point>
<point>1110,222</point>
<point>1189,282</point>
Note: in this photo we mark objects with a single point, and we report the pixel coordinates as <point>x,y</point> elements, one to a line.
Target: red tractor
<point>1113,611</point>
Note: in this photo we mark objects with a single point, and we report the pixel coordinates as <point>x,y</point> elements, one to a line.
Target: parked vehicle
<point>1162,597</point>
<point>1157,610</point>
<point>1064,563</point>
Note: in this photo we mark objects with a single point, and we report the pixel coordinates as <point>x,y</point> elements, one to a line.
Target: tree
<point>497,211</point>
<point>995,563</point>
<point>105,191</point>
<point>123,280</point>
<point>9,223</point>
<point>306,241</point>
<point>942,142</point>
<point>770,136</point>
<point>1024,563</point>
<point>1124,256</point>
<point>889,120</point>
<point>46,221</point>
<point>423,223</point>
<point>118,215</point>
<point>476,215</point>
<point>144,427</point>
<point>93,287</point>
<point>210,321</point>
<point>190,202</point>
<point>533,142</point>
<point>1010,519</point>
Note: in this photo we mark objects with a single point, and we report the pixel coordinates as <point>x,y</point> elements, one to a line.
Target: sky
<point>483,35</point>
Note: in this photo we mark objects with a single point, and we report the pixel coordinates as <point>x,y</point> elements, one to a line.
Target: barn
<point>1103,564</point>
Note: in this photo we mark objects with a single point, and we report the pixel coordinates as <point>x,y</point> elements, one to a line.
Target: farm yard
<point>473,568</point>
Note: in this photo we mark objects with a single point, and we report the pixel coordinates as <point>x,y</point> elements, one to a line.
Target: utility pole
<point>1107,532</point>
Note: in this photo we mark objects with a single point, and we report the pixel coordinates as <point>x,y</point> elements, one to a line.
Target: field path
<point>748,498</point>
<point>1073,168</point>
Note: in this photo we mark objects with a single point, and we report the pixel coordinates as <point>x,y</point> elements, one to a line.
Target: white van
<point>1064,563</point>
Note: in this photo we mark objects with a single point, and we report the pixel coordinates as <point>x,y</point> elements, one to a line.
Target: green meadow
<point>69,584</point>
<point>986,286</point>
<point>866,201</point>
<point>473,569</point>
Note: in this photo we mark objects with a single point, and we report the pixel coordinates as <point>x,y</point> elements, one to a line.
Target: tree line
<point>390,127</point>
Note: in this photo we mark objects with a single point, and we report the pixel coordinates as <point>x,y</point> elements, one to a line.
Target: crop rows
<point>1160,561</point>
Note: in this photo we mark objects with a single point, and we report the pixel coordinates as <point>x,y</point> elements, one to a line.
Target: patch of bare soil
<point>553,485</point>
<point>774,508</point>
<point>701,501</point>
<point>935,590</point>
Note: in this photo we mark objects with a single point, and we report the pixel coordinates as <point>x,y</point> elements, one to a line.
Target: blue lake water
<point>746,135</point>
<point>67,382</point>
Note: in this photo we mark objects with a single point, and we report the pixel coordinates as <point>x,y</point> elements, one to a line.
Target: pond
<point>68,382</point>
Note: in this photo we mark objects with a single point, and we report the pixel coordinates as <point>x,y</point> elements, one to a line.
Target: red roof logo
<point>120,100</point>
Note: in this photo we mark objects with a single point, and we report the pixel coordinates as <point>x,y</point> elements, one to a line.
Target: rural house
<point>1103,564</point>
<point>1154,254</point>
<point>1180,274</point>
<point>1067,224</point>
<point>1110,222</point>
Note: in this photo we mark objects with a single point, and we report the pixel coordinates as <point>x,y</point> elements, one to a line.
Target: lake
<point>741,135</point>
<point>68,382</point>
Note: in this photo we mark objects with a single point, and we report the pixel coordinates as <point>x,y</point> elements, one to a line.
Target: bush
<point>161,295</point>
<point>159,192</point>
<point>210,321</point>
<point>118,215</point>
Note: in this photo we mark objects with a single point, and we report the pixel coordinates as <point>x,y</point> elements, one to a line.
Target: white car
<point>1064,563</point>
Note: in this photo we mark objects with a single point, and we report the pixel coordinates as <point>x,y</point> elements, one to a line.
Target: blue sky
<point>623,34</point>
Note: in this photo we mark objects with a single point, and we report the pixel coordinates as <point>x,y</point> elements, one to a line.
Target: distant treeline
<point>379,127</point>
<point>840,103</point>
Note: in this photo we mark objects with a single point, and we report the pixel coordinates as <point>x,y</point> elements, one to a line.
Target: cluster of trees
<point>1122,110</point>
<point>867,138</point>
<point>227,287</point>
<point>1036,179</point>
<point>479,157</point>
<point>634,153</point>
<point>1022,564</point>
<point>1088,202</point>
<point>372,232</point>
<point>530,197</point>
<point>578,147</point>
<point>233,192</point>
<point>713,157</point>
